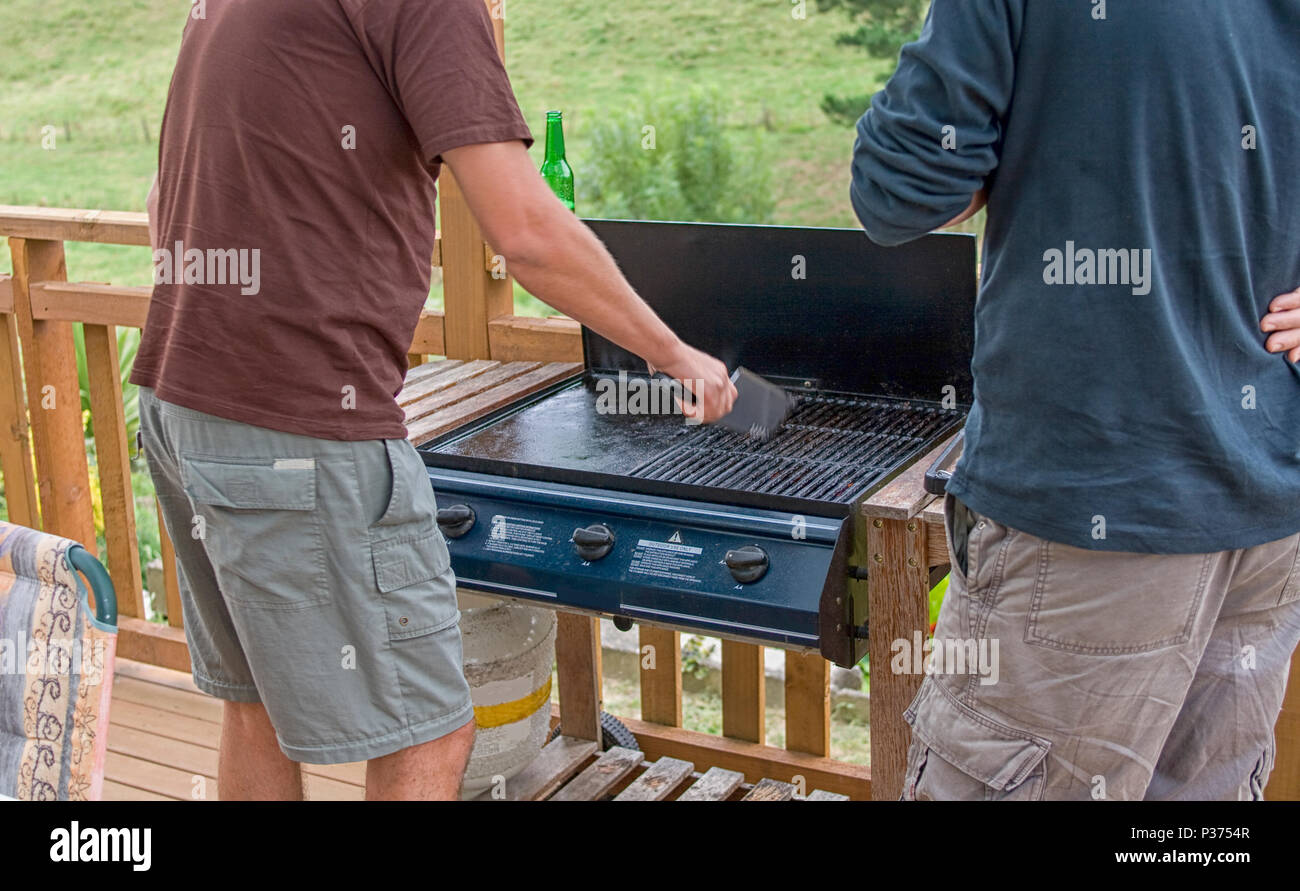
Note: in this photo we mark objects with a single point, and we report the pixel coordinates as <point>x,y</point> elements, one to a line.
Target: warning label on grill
<point>666,560</point>
<point>518,536</point>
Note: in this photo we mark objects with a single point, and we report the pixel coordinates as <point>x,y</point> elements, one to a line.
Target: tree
<point>883,26</point>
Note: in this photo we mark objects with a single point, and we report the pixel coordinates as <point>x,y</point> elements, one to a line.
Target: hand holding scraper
<point>760,407</point>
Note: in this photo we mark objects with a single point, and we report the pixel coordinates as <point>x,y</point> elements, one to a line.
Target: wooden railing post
<point>899,608</point>
<point>661,675</point>
<point>53,397</point>
<point>15,432</point>
<point>744,692</point>
<point>171,579</point>
<point>808,703</point>
<point>578,670</point>
<point>472,297</point>
<point>113,459</point>
<point>1284,784</point>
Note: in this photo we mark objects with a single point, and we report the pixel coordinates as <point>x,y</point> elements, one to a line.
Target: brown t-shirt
<point>299,150</point>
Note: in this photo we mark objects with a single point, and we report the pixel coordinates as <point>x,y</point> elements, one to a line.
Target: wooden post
<point>898,608</point>
<point>577,657</point>
<point>744,692</point>
<point>15,432</point>
<point>661,686</point>
<point>53,398</point>
<point>171,579</point>
<point>113,457</point>
<point>1284,784</point>
<point>808,704</point>
<point>471,296</point>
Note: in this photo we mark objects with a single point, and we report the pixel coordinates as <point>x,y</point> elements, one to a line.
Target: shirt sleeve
<point>931,137</point>
<point>440,64</point>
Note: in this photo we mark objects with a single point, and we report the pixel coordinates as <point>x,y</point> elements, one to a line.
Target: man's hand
<point>707,380</point>
<point>1282,324</point>
<point>557,258</point>
<point>977,202</point>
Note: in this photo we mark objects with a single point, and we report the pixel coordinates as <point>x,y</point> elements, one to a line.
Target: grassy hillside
<point>97,72</point>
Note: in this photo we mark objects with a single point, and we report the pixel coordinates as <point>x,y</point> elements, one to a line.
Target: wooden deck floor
<point>162,739</point>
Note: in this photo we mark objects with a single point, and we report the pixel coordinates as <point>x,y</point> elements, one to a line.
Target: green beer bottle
<point>555,169</point>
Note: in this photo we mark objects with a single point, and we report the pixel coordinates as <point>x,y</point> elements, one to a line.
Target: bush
<point>674,160</point>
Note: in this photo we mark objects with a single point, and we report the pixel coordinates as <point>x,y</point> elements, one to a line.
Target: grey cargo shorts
<point>313,579</point>
<point>1090,675</point>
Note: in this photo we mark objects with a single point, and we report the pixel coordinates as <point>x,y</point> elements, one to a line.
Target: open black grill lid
<point>796,304</point>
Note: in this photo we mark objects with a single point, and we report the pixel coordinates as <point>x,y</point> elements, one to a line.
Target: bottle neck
<point>554,138</point>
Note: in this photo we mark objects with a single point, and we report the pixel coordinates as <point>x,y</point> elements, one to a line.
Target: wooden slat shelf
<point>454,392</point>
<point>163,736</point>
<point>621,774</point>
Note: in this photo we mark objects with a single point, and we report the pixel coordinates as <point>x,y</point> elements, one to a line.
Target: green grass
<point>100,77</point>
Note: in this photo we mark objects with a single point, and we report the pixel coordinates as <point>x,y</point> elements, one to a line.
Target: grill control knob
<point>593,542</point>
<point>747,564</point>
<point>456,520</point>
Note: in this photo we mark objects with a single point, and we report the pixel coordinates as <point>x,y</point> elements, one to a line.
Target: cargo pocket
<point>409,553</point>
<point>260,529</point>
<point>960,755</point>
<point>411,574</point>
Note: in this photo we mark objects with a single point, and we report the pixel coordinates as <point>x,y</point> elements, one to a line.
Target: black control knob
<point>747,564</point>
<point>456,520</point>
<point>593,542</point>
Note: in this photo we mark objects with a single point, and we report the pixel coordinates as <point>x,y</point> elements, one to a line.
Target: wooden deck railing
<point>42,453</point>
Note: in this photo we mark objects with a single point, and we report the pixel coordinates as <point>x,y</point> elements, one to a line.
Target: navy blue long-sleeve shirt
<point>1143,177</point>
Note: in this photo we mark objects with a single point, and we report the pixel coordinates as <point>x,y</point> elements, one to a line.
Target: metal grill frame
<point>643,486</point>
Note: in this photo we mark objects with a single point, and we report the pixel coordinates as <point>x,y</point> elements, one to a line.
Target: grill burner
<point>830,449</point>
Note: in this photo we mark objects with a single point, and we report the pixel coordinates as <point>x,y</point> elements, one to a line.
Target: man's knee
<point>248,718</point>
<point>457,743</point>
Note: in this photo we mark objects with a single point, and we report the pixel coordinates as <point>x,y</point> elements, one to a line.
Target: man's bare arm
<point>557,258</point>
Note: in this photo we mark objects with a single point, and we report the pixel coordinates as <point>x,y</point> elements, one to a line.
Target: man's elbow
<point>878,227</point>
<point>525,237</point>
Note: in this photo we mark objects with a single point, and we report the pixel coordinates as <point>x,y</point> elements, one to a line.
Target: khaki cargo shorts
<point>1078,674</point>
<point>313,579</point>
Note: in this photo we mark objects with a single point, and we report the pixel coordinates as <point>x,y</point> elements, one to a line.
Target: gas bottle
<point>509,650</point>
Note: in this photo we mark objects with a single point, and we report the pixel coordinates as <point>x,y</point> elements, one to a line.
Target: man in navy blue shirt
<point>1124,519</point>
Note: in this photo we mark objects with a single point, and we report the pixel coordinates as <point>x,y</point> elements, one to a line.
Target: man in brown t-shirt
<point>293,225</point>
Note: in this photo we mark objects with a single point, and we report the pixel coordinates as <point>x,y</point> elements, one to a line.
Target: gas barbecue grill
<point>640,516</point>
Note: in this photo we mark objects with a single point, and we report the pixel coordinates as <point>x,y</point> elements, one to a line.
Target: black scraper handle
<point>936,478</point>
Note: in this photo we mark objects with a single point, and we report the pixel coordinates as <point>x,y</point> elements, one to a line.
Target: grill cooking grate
<point>829,449</point>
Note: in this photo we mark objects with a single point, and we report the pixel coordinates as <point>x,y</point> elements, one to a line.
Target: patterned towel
<point>56,673</point>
